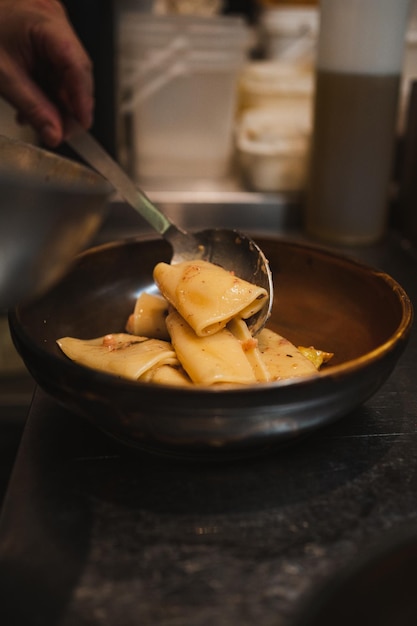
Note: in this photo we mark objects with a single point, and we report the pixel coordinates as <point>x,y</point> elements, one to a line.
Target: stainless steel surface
<point>231,250</point>
<point>225,207</point>
<point>50,208</point>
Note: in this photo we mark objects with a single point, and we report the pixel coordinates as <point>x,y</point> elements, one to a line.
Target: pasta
<point>122,354</point>
<point>215,358</point>
<point>206,295</point>
<point>194,333</point>
<point>148,317</point>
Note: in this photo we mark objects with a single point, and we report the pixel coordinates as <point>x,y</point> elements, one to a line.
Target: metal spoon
<point>228,248</point>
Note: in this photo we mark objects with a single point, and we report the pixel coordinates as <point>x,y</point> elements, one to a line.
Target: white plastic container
<point>289,32</point>
<point>178,89</point>
<point>274,124</point>
<point>272,148</point>
<point>267,84</point>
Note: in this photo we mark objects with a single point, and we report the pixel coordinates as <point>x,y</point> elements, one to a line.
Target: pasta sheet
<point>120,353</point>
<point>206,295</point>
<point>195,334</point>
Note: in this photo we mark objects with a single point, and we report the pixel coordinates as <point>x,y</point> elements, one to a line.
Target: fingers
<point>73,86</point>
<point>69,77</point>
<point>45,73</point>
<point>76,96</point>
<point>32,104</point>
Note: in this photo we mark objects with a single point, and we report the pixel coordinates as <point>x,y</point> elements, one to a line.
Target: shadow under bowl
<point>360,314</point>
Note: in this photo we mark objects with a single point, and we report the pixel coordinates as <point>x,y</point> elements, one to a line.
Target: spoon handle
<point>92,152</point>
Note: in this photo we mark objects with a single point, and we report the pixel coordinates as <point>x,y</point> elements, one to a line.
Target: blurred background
<point>210,94</point>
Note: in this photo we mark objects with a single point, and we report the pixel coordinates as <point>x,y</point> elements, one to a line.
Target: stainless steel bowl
<point>321,299</point>
<point>50,207</point>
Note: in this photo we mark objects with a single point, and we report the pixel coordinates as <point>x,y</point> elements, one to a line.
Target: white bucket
<point>178,77</point>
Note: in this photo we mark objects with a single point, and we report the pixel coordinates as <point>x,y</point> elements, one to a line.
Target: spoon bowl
<point>232,250</point>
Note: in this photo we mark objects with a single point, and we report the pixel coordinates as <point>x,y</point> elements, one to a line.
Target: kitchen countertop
<point>92,533</point>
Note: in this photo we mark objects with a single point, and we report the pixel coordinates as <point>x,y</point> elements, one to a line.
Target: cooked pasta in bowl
<point>195,331</point>
<point>132,344</point>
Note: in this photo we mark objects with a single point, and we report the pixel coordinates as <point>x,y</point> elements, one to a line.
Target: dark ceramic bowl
<point>321,299</point>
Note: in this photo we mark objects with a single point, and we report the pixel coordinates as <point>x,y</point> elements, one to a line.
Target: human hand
<point>45,73</point>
